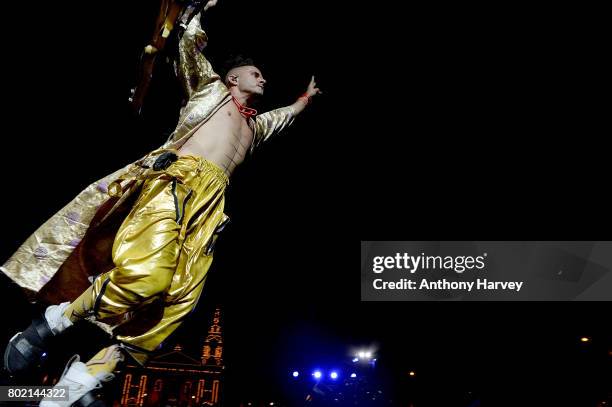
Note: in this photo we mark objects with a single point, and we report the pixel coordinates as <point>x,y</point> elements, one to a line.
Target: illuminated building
<point>175,378</point>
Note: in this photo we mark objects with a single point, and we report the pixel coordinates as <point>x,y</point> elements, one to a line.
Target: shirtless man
<point>225,139</point>
<point>163,249</point>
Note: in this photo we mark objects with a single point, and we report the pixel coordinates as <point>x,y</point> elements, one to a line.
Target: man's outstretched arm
<point>269,123</point>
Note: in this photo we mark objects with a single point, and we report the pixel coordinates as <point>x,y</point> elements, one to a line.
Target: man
<point>163,219</point>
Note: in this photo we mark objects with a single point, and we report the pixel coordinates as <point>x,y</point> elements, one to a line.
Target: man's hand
<point>312,88</point>
<point>303,100</point>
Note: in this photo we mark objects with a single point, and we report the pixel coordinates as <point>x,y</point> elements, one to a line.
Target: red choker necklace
<point>247,112</point>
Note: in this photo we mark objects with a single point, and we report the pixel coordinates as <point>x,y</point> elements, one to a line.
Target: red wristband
<point>305,95</point>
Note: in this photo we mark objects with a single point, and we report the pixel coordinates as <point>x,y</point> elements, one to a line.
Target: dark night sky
<point>472,98</point>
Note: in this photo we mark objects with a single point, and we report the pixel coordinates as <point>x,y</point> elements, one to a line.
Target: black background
<point>437,122</point>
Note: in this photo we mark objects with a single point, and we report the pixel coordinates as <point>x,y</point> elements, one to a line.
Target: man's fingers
<point>312,87</point>
<point>210,4</point>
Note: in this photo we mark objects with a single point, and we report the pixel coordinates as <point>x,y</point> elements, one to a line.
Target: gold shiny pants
<point>163,250</point>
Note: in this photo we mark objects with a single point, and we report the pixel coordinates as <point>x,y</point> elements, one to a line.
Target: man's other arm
<point>194,70</point>
<point>270,123</point>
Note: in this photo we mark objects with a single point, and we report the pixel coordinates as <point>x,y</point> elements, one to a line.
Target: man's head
<point>243,75</point>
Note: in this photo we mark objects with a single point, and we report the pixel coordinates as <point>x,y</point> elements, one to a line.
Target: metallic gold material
<point>165,243</point>
<point>42,254</point>
<point>161,251</point>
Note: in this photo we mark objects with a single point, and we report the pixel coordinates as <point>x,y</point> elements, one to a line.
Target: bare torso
<point>224,139</point>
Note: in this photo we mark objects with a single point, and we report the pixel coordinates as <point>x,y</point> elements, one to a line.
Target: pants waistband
<point>186,168</point>
<point>198,164</point>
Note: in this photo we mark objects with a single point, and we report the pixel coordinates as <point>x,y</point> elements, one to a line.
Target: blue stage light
<point>355,360</point>
<point>295,374</point>
<point>317,374</point>
<point>333,375</point>
<point>353,375</point>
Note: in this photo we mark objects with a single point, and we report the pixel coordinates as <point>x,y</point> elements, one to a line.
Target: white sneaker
<point>78,382</point>
<point>54,315</point>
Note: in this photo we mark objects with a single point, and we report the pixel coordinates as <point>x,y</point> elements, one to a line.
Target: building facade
<point>176,379</point>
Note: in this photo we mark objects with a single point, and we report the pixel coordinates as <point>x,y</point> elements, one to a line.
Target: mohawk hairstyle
<point>235,61</point>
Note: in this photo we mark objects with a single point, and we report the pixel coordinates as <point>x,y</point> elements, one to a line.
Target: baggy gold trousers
<point>163,249</point>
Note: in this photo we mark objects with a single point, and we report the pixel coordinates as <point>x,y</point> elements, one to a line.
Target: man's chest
<point>239,132</point>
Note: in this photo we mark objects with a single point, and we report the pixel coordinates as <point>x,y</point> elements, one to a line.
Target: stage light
<point>317,374</point>
<point>363,355</point>
<point>295,374</point>
<point>585,339</point>
<point>333,375</point>
<point>411,373</point>
<point>355,360</point>
<point>353,375</point>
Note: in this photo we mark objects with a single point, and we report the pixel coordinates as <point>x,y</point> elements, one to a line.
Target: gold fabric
<point>36,262</point>
<point>41,255</point>
<point>162,251</point>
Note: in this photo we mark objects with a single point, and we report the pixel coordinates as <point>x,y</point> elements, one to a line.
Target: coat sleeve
<point>270,123</point>
<point>194,70</point>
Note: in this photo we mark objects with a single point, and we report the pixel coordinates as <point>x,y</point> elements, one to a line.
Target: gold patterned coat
<point>57,261</point>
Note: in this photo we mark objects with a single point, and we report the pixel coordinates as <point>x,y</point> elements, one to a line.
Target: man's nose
<point>263,81</point>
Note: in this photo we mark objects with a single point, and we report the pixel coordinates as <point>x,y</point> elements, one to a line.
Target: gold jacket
<point>66,242</point>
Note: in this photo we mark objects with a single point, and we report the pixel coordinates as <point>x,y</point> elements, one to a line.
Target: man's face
<point>250,80</point>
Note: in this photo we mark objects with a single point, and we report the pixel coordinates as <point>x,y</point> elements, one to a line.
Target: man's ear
<point>232,80</point>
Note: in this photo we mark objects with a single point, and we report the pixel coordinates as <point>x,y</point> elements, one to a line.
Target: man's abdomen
<point>224,140</point>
